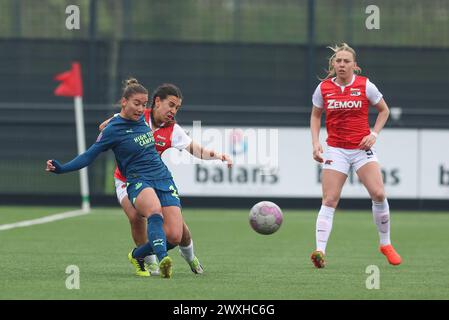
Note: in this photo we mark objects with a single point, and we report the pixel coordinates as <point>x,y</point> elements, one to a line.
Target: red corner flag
<point>71,85</point>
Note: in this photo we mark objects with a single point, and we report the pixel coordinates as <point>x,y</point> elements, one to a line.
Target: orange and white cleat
<point>317,258</point>
<point>392,256</point>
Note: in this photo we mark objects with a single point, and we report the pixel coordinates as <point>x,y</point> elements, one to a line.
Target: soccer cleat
<point>165,267</point>
<point>153,268</point>
<point>317,258</point>
<point>392,256</point>
<point>139,264</point>
<point>196,266</point>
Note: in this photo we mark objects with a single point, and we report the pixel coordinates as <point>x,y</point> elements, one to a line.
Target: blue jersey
<point>133,145</point>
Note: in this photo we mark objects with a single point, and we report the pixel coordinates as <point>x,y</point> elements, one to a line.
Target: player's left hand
<point>367,142</point>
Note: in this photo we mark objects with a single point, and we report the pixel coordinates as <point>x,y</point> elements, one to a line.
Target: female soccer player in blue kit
<point>165,104</point>
<point>149,182</point>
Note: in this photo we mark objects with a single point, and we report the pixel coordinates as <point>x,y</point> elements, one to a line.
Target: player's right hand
<point>317,151</point>
<point>53,166</point>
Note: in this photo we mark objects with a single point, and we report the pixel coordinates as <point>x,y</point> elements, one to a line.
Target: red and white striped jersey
<point>346,110</point>
<point>165,137</point>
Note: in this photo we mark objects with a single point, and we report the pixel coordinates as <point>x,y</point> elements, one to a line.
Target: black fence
<point>231,84</point>
<point>226,83</point>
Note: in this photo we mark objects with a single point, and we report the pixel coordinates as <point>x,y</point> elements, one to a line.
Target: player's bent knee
<point>173,234</point>
<point>153,210</point>
<point>137,221</point>
<point>174,238</point>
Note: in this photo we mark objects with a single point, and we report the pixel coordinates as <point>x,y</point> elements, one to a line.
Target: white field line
<point>46,219</point>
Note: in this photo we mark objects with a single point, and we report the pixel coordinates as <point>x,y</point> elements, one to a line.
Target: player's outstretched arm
<point>104,142</point>
<point>81,161</point>
<point>200,152</point>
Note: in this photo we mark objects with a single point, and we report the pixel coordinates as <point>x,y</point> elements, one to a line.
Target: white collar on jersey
<point>343,87</point>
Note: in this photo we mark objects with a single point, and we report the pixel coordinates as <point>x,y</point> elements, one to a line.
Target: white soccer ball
<point>265,217</point>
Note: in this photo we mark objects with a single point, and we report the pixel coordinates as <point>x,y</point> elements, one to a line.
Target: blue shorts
<point>166,191</point>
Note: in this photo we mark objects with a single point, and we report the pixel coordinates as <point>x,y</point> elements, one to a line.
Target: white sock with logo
<point>381,215</point>
<point>150,259</point>
<point>324,227</point>
<point>187,252</point>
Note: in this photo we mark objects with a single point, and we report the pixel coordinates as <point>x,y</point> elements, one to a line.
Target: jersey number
<point>174,192</point>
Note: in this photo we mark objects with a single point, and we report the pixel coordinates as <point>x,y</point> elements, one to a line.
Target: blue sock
<point>156,236</point>
<point>147,250</point>
<point>143,251</point>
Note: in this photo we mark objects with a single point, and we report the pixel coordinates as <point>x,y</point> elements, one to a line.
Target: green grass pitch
<point>239,263</point>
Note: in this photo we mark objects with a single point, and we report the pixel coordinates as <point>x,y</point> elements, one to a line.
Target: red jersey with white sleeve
<point>346,109</point>
<point>165,137</point>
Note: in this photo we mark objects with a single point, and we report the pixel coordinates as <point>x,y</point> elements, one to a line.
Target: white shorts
<point>342,160</point>
<point>120,190</point>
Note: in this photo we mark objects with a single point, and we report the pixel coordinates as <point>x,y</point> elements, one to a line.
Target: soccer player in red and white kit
<point>345,98</point>
<point>165,104</point>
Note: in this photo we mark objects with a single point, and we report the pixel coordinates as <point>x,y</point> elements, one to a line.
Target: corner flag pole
<point>72,86</point>
<point>81,142</point>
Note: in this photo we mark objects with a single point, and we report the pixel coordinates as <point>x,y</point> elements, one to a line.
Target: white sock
<point>324,227</point>
<point>150,259</point>
<point>187,252</point>
<point>381,215</point>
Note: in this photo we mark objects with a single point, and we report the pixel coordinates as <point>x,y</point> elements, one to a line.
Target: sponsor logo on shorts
<point>138,185</point>
<point>328,162</point>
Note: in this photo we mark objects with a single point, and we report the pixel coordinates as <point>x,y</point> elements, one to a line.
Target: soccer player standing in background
<point>345,97</point>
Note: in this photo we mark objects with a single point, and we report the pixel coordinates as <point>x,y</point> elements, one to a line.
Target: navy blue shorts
<point>166,191</point>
